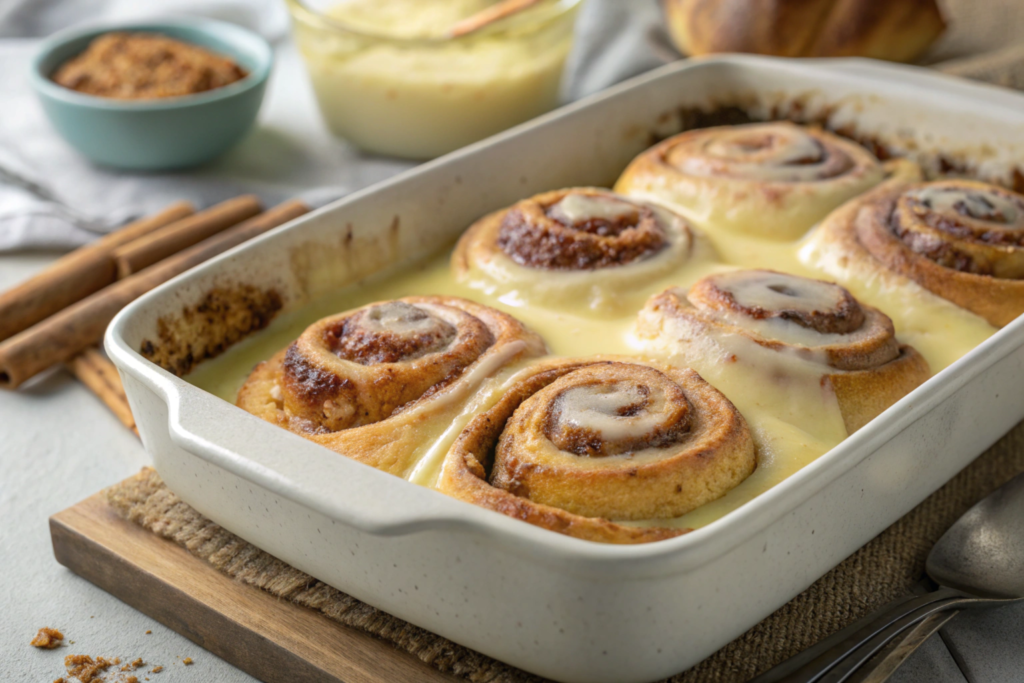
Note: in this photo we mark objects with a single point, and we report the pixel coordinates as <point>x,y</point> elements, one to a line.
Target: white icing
<point>944,200</point>
<point>577,208</point>
<point>400,318</point>
<point>779,291</point>
<point>596,408</point>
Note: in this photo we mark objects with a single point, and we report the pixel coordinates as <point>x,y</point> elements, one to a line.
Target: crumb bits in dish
<point>140,66</point>
<point>48,638</point>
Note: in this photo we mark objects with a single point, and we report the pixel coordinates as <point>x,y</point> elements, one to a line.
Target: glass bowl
<point>390,89</point>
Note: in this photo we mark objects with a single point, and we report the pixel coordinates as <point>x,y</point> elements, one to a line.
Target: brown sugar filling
<point>537,237</point>
<point>389,333</point>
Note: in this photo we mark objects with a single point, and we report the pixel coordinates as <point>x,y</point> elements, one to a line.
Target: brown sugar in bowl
<point>177,129</point>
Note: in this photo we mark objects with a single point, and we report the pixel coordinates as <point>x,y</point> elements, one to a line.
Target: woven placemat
<point>879,572</point>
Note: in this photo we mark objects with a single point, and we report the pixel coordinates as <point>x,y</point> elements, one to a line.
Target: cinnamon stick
<point>489,15</point>
<point>100,376</point>
<point>77,275</point>
<point>71,331</point>
<point>141,253</point>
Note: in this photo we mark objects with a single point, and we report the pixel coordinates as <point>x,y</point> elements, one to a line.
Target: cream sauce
<point>794,421</point>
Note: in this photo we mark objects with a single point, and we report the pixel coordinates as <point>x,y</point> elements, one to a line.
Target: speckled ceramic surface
<point>557,606</point>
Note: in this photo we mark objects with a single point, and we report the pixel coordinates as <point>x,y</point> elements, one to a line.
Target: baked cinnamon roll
<point>371,383</point>
<point>960,239</point>
<point>792,329</point>
<point>578,447</point>
<point>772,180</point>
<point>577,245</point>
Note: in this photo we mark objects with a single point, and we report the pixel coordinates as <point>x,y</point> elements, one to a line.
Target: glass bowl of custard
<point>406,78</point>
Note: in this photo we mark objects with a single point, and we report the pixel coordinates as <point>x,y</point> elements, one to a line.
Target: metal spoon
<point>978,562</point>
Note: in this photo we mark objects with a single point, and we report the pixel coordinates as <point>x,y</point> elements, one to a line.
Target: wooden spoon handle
<point>489,15</point>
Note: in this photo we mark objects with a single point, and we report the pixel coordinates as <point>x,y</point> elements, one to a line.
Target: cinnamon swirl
<point>371,383</point>
<point>578,447</point>
<point>790,328</point>
<point>962,240</point>
<point>580,245</point>
<point>772,180</point>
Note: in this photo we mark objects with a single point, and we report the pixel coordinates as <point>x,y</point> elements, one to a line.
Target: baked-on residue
<point>204,330</point>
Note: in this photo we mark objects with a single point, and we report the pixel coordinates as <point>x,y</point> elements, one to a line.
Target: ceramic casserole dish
<point>560,607</point>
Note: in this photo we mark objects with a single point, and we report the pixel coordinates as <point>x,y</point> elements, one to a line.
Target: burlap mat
<point>879,572</point>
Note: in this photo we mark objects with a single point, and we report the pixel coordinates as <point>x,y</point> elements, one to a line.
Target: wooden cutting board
<point>270,639</point>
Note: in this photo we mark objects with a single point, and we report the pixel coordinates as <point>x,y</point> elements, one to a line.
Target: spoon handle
<point>843,670</point>
<point>810,666</point>
<point>883,665</point>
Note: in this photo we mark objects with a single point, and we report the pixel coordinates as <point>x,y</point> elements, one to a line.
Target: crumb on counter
<point>148,633</point>
<point>48,638</point>
<point>132,666</point>
<point>156,669</point>
<point>86,669</point>
<point>187,661</point>
<point>142,66</point>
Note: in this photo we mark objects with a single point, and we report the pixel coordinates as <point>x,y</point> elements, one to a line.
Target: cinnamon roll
<point>577,245</point>
<point>962,240</point>
<point>580,447</point>
<point>371,383</point>
<point>772,180</point>
<point>793,329</point>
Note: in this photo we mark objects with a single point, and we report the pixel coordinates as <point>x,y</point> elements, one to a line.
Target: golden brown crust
<point>897,30</point>
<point>772,180</point>
<point>358,368</point>
<point>376,407</point>
<point>948,252</point>
<point>865,394</point>
<point>866,366</point>
<point>504,460</point>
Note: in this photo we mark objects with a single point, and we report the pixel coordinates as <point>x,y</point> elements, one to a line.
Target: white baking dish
<point>553,605</point>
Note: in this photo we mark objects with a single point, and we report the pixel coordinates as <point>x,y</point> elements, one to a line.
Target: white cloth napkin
<point>290,153</point>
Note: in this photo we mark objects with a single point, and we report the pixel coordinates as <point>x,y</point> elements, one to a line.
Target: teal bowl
<point>158,134</point>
